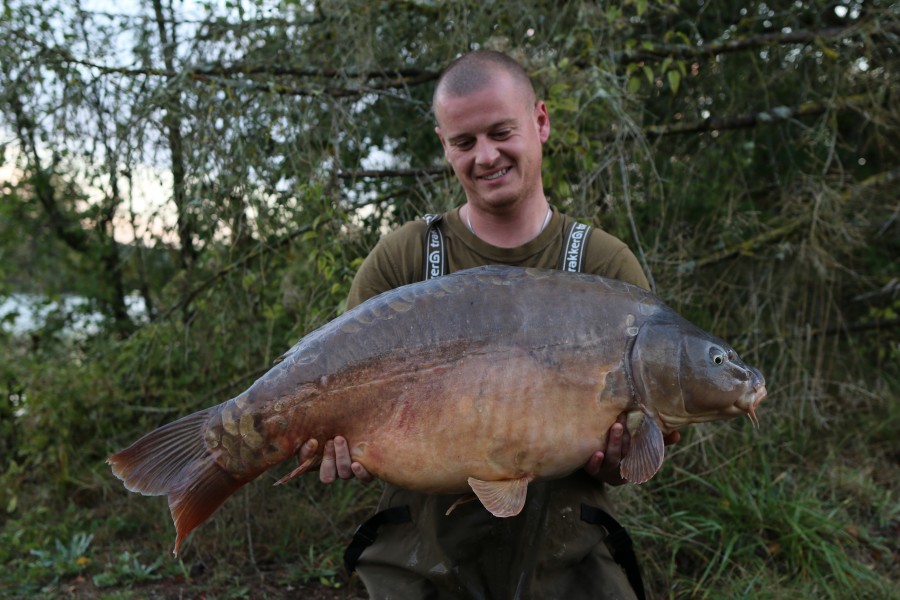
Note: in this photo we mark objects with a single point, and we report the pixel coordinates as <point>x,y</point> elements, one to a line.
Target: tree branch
<point>782,231</point>
<point>657,52</point>
<point>383,173</point>
<point>399,78</point>
<point>172,123</point>
<point>384,79</point>
<point>747,120</point>
<point>65,227</point>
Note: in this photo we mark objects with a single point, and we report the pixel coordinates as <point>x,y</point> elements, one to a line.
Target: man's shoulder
<point>604,239</point>
<point>600,241</point>
<point>607,255</point>
<point>411,231</point>
<point>397,259</point>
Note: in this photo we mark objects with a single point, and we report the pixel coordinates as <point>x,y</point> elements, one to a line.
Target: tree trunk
<point>172,123</point>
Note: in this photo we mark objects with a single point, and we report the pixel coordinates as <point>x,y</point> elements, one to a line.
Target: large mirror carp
<point>479,381</point>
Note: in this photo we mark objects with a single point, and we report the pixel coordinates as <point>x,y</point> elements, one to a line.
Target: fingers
<point>328,468</point>
<point>672,438</point>
<point>336,463</point>
<point>361,473</point>
<point>308,450</point>
<point>615,444</point>
<point>342,457</point>
<point>604,464</point>
<point>594,463</point>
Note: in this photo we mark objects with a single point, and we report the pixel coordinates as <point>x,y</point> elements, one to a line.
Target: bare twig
<point>381,80</point>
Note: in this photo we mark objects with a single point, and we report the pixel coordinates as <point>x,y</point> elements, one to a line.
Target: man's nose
<point>486,152</point>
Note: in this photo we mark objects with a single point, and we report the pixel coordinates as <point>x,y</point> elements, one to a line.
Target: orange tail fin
<point>174,460</point>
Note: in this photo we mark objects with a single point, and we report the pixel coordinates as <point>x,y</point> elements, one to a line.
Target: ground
<point>263,586</point>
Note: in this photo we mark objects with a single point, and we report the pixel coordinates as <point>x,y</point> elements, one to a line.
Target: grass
<point>778,513</point>
<point>735,513</point>
<point>112,544</point>
<point>805,507</point>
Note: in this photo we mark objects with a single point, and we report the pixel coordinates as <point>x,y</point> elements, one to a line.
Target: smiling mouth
<point>496,175</point>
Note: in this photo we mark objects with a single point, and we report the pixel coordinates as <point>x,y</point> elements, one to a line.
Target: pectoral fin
<point>300,470</point>
<point>305,465</point>
<point>646,452</point>
<point>461,500</point>
<point>502,498</point>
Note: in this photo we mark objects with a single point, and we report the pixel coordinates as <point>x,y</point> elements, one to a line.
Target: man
<point>492,129</point>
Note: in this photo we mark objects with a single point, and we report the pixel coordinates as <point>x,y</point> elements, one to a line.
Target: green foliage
<point>319,565</point>
<point>757,509</point>
<point>43,547</point>
<point>128,569</point>
<point>65,559</point>
<point>747,154</point>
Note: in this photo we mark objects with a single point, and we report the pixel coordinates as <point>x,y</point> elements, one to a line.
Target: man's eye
<point>501,135</point>
<point>464,145</point>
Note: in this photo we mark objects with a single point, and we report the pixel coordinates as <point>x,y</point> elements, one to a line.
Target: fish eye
<point>717,356</point>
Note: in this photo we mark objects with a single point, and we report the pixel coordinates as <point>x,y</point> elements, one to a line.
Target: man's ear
<point>542,120</point>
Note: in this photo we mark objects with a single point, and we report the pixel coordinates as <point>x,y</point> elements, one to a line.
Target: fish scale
<point>480,382</point>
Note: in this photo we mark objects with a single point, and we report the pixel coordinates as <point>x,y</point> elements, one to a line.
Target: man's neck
<point>510,229</point>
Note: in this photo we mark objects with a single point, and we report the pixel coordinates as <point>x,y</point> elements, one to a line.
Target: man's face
<point>493,140</point>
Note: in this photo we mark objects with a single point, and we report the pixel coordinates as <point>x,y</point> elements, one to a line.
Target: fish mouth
<point>749,403</point>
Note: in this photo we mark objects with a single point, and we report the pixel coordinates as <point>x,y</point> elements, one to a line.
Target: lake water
<point>23,313</point>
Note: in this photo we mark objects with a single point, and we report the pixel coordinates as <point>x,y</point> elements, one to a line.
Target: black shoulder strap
<point>435,248</point>
<point>619,543</point>
<point>574,245</point>
<point>571,258</point>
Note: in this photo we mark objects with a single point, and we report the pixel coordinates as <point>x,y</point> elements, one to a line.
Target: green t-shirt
<point>398,259</point>
<point>546,551</point>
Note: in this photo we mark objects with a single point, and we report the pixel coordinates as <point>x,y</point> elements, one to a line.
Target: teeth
<point>497,175</point>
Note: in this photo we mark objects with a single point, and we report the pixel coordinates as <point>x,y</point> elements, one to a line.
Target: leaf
<point>634,84</point>
<point>674,78</point>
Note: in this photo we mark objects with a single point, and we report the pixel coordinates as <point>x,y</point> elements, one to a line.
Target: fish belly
<point>429,423</point>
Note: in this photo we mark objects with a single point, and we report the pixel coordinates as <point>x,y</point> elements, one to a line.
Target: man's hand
<point>336,461</point>
<point>604,464</point>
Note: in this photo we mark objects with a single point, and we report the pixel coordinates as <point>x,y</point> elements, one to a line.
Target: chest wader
<point>617,539</point>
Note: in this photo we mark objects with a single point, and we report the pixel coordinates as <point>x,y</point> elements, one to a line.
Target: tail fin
<point>174,460</point>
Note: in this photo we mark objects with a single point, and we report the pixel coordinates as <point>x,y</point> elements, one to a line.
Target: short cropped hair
<point>473,71</point>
